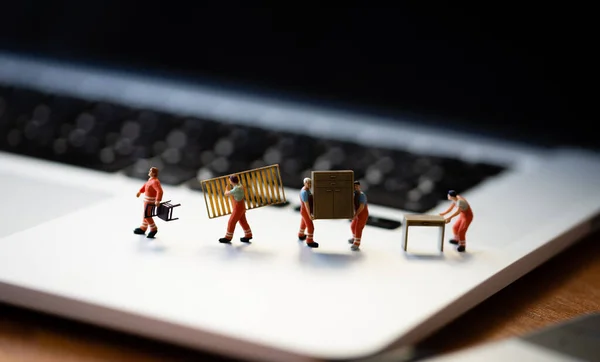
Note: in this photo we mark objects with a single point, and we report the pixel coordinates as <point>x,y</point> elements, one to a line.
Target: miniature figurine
<point>153,195</point>
<point>464,220</point>
<point>361,215</point>
<point>307,216</point>
<point>237,196</point>
<point>263,186</point>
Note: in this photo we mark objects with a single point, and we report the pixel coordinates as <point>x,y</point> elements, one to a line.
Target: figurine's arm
<point>361,206</point>
<point>159,192</point>
<point>307,205</point>
<point>455,214</point>
<point>461,205</point>
<point>448,210</point>
<point>359,210</point>
<point>142,190</point>
<point>305,200</point>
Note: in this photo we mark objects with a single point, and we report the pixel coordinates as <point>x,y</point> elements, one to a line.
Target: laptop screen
<point>515,75</point>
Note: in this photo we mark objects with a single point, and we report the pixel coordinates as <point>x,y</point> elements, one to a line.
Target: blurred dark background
<point>516,72</point>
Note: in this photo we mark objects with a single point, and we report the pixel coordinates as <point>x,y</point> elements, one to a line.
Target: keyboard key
<point>297,155</point>
<point>383,223</point>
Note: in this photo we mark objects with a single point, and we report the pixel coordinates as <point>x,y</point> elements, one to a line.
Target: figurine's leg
<point>353,229</point>
<point>361,221</point>
<point>144,226</point>
<point>310,229</point>
<point>142,229</point>
<point>233,219</point>
<point>246,228</point>
<point>152,226</point>
<point>462,233</point>
<point>455,230</point>
<point>148,221</point>
<point>301,234</point>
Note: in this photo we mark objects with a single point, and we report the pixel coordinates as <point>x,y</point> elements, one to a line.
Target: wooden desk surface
<point>564,287</point>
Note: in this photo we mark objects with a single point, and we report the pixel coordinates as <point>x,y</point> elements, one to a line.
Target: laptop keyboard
<point>111,138</point>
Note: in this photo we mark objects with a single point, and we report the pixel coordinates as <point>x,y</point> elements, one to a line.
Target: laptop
<point>79,131</point>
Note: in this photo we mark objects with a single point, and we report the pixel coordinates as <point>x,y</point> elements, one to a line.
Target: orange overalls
<point>238,214</point>
<point>359,222</point>
<point>153,192</point>
<point>306,222</point>
<point>462,224</point>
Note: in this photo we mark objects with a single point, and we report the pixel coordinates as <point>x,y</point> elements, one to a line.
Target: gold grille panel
<point>262,187</point>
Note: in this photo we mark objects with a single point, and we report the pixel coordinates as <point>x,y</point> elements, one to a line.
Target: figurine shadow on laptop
<point>153,206</point>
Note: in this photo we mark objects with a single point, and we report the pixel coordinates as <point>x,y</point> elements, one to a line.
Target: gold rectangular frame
<point>262,187</point>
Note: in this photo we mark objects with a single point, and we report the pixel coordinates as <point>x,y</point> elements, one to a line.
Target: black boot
<point>303,237</point>
<point>461,248</point>
<point>225,241</point>
<point>139,231</point>
<point>453,241</point>
<point>313,244</point>
<point>151,234</point>
<point>245,239</point>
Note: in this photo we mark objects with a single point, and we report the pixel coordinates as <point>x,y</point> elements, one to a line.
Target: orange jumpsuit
<point>238,213</point>
<point>464,220</point>
<point>153,192</point>
<point>306,223</point>
<point>359,222</point>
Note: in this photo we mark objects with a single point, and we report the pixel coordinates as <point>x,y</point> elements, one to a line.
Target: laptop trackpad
<point>28,202</point>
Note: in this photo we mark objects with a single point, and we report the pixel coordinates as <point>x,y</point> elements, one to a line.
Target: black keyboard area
<point>111,137</point>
